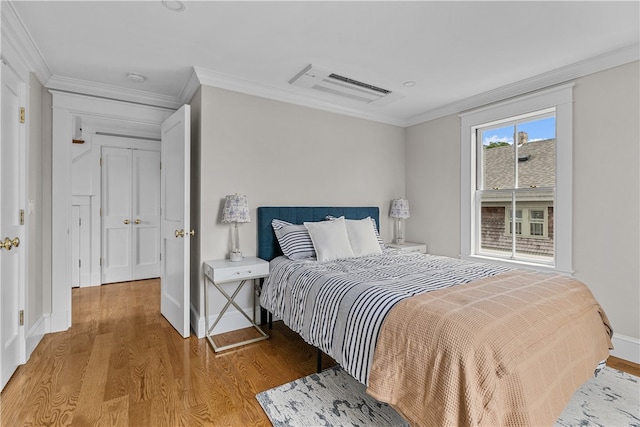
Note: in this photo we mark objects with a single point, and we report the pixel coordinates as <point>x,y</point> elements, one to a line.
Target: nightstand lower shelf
<point>222,272</point>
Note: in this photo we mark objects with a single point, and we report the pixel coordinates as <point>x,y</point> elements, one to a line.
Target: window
<point>516,167</point>
<point>517,158</point>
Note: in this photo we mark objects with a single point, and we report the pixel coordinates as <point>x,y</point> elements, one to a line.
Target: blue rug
<point>334,398</point>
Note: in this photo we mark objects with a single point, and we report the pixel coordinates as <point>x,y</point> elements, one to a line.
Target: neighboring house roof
<point>536,165</point>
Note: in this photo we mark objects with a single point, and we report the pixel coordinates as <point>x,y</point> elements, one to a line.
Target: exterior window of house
<point>509,222</point>
<point>516,180</point>
<point>535,222</point>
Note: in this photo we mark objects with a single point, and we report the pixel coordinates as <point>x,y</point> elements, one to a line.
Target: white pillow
<point>373,222</point>
<point>362,237</point>
<point>330,239</point>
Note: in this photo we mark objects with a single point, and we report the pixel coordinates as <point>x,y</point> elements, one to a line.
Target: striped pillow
<point>294,239</point>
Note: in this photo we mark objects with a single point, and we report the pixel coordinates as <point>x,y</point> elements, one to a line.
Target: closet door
<point>116,215</point>
<point>146,214</point>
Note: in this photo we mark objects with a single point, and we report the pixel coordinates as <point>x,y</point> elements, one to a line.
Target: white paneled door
<point>176,231</point>
<point>130,214</point>
<point>12,220</point>
<point>146,214</point>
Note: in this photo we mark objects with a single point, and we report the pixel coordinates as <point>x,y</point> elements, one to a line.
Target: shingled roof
<point>536,165</point>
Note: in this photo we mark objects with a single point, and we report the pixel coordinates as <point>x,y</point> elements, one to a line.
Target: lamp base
<point>235,256</point>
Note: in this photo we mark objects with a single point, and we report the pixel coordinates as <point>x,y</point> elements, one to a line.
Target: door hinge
<point>21,114</point>
<point>21,216</point>
<point>161,256</point>
<point>79,263</point>
<point>21,317</point>
<point>79,222</point>
<point>160,165</point>
<point>100,262</point>
<point>100,211</point>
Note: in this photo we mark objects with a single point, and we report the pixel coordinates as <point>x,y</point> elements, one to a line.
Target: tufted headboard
<point>268,247</point>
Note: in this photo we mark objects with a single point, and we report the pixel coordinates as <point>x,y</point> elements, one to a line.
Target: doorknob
<point>137,221</point>
<point>180,233</point>
<point>126,221</point>
<point>6,244</point>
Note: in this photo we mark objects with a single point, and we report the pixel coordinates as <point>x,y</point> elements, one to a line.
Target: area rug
<point>334,398</point>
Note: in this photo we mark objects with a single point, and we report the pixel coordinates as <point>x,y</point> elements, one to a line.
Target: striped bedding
<point>339,306</point>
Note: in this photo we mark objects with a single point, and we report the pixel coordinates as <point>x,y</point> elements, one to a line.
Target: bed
<point>442,340</point>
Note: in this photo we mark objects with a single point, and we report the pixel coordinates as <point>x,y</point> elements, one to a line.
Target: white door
<point>12,197</point>
<point>146,214</point>
<point>131,214</point>
<point>175,187</point>
<point>116,215</point>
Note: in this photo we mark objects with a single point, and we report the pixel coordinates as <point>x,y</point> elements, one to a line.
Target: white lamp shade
<point>236,209</point>
<point>399,208</point>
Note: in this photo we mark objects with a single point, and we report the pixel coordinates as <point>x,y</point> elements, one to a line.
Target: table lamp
<point>236,209</point>
<point>399,211</point>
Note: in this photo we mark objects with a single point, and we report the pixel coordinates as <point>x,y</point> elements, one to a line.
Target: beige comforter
<point>509,350</point>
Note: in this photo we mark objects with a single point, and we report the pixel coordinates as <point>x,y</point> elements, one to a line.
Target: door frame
<point>104,116</point>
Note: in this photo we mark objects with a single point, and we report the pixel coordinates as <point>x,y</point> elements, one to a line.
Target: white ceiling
<point>454,51</point>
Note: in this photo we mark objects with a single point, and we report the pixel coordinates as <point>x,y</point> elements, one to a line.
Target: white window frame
<point>560,98</point>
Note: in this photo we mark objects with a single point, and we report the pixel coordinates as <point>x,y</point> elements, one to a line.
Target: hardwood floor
<point>121,363</point>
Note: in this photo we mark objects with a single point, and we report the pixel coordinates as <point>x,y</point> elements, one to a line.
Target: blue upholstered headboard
<point>268,247</point>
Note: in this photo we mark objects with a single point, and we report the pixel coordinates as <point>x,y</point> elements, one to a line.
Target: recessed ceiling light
<point>173,5</point>
<point>136,78</point>
<point>409,83</point>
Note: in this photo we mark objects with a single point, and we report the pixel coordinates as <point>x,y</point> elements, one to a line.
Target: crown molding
<point>23,47</point>
<point>68,84</point>
<point>560,75</point>
<point>190,88</point>
<point>223,81</point>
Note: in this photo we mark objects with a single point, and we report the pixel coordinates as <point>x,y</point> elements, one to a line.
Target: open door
<point>175,224</point>
<point>12,223</point>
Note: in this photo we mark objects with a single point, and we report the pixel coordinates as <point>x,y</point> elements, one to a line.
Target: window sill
<point>547,268</point>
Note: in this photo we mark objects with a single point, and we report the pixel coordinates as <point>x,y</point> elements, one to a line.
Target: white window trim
<point>560,97</point>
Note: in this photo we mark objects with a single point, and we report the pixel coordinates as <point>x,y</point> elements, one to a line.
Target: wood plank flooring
<point>122,364</point>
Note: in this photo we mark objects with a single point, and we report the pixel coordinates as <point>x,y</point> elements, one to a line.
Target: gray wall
<point>606,193</point>
<point>282,154</point>
<point>38,286</point>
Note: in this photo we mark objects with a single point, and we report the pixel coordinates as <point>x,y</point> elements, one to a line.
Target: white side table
<point>223,271</point>
<point>409,247</point>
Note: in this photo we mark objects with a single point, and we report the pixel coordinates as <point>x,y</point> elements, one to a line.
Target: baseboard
<point>196,324</point>
<point>231,321</point>
<point>34,336</point>
<point>60,321</point>
<point>626,348</point>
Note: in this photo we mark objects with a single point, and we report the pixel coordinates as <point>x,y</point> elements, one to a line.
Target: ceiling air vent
<point>320,79</point>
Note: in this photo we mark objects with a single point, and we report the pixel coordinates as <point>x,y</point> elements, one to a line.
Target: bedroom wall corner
<point>35,308</point>
<point>433,185</point>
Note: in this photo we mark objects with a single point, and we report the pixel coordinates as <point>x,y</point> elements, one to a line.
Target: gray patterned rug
<point>333,398</point>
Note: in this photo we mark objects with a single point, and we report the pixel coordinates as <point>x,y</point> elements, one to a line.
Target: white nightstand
<point>409,247</point>
<point>225,271</point>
